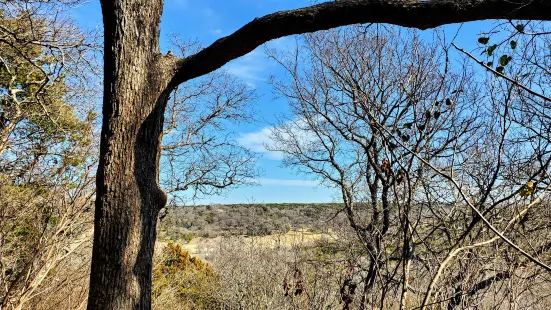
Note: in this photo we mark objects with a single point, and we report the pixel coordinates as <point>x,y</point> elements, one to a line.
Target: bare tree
<point>355,80</point>
<point>429,163</point>
<point>200,155</point>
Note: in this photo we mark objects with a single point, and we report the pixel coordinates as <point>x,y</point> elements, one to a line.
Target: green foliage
<point>491,49</point>
<point>210,218</point>
<point>188,236</point>
<point>34,87</point>
<point>185,278</point>
<point>504,60</point>
<point>45,155</point>
<point>175,260</point>
<point>483,40</point>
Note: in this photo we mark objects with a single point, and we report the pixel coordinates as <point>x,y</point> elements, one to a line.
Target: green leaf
<point>491,49</point>
<point>448,101</point>
<point>513,44</point>
<point>483,40</point>
<point>490,63</point>
<point>519,27</point>
<point>437,114</point>
<point>500,69</point>
<point>405,138</point>
<point>504,60</point>
<point>407,125</point>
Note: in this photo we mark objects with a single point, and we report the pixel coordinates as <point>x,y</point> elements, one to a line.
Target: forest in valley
<point>434,142</point>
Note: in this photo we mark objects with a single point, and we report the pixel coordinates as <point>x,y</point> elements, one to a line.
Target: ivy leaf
<point>405,138</point>
<point>519,27</point>
<point>500,69</point>
<point>407,125</point>
<point>437,114</point>
<point>483,40</point>
<point>490,63</point>
<point>448,101</point>
<point>513,44</point>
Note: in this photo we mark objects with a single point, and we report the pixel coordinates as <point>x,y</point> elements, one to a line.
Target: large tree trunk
<point>128,195</point>
<point>136,89</point>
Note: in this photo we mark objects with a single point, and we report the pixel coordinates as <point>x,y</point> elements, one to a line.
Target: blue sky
<point>208,20</point>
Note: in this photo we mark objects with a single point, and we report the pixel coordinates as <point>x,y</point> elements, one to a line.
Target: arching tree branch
<point>414,14</point>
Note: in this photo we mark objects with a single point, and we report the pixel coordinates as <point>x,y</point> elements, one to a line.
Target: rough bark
<point>128,196</point>
<point>138,80</point>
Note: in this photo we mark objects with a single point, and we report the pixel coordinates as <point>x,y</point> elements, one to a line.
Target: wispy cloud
<point>251,67</point>
<point>286,182</point>
<point>255,67</point>
<point>209,12</point>
<point>258,140</point>
<point>261,141</point>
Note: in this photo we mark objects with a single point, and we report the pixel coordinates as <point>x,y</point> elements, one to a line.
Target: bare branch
<point>414,14</point>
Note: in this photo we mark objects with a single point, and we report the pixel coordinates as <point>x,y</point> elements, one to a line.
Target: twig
<point>516,83</point>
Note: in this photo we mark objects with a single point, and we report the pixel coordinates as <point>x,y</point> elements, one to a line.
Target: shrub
<point>210,218</point>
<point>188,236</point>
<point>181,281</point>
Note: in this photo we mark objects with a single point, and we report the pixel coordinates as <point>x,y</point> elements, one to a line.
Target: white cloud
<point>287,182</point>
<point>251,67</point>
<point>257,141</point>
<point>209,12</point>
<point>284,182</point>
<point>255,66</point>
